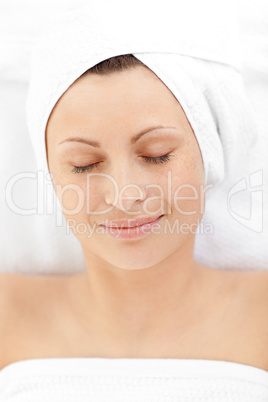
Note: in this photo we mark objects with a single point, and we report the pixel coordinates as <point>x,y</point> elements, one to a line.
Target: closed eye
<point>157,159</point>
<point>148,159</point>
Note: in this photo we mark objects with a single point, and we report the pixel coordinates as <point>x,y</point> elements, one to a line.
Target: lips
<point>130,223</point>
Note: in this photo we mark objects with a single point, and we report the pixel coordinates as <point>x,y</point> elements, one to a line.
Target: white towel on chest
<point>131,380</point>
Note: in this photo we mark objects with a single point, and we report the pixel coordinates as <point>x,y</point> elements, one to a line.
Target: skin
<point>145,297</point>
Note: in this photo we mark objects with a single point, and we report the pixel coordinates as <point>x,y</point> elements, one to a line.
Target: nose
<point>126,190</point>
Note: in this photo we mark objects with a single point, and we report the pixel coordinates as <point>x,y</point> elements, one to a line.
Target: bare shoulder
<point>255,285</point>
<point>245,299</point>
<point>14,290</point>
<point>247,292</point>
<point>21,292</point>
<point>10,286</point>
<point>15,287</point>
<point>9,305</point>
<point>251,290</point>
<point>254,291</point>
<point>18,283</point>
<point>27,302</point>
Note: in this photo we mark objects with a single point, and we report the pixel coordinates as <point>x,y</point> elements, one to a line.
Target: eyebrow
<point>97,144</point>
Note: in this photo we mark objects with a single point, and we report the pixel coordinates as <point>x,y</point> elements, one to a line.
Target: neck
<point>133,305</point>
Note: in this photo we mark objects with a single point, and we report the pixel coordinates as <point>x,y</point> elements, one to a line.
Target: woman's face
<point>131,175</point>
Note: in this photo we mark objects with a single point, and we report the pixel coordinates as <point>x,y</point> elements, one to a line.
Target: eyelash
<point>148,159</point>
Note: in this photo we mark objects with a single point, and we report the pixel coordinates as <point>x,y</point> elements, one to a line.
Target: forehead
<point>135,96</point>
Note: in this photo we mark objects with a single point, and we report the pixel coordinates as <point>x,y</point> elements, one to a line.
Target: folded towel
<point>199,68</point>
<point>104,379</point>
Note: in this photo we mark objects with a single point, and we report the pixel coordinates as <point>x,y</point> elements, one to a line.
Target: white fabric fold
<point>131,379</point>
<point>193,54</point>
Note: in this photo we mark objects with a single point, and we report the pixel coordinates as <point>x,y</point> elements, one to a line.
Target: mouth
<point>130,223</point>
<point>137,228</point>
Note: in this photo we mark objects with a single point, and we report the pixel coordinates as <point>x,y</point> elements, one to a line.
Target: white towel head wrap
<point>191,46</point>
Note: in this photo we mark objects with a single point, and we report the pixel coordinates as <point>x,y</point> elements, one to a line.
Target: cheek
<point>71,194</point>
<point>188,188</point>
<point>188,199</point>
<point>81,198</point>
